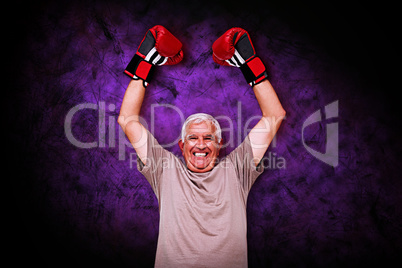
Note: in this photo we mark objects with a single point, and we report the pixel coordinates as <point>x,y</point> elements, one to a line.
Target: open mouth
<point>200,154</point>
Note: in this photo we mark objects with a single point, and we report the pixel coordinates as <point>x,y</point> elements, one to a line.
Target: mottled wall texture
<point>76,197</point>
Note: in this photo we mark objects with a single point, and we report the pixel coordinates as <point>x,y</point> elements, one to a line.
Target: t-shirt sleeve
<point>156,159</point>
<point>242,159</point>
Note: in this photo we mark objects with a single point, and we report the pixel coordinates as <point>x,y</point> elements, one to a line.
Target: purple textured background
<point>73,206</point>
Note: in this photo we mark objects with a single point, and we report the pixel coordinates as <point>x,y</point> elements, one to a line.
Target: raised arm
<point>129,118</point>
<point>159,47</point>
<point>272,115</point>
<point>234,48</point>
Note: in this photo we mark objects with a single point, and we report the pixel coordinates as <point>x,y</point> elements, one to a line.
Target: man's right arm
<point>159,47</point>
<point>129,118</point>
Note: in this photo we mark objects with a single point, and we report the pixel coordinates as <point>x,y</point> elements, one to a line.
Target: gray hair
<point>199,118</point>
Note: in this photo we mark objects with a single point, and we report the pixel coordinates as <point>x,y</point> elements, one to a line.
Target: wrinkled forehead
<point>202,128</point>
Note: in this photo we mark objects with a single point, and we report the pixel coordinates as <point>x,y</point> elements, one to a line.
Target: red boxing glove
<point>234,48</point>
<point>158,47</point>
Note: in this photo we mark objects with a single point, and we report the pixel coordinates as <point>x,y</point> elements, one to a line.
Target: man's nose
<point>201,144</point>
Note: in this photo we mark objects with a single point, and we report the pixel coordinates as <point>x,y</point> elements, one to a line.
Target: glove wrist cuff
<point>254,71</point>
<point>138,68</point>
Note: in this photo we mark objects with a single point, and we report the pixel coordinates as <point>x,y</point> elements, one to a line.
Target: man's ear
<point>181,145</point>
<point>220,145</point>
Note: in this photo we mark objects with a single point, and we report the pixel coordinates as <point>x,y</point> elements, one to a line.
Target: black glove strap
<point>138,68</point>
<point>254,71</point>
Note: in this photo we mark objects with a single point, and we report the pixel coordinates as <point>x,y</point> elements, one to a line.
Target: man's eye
<point>192,138</point>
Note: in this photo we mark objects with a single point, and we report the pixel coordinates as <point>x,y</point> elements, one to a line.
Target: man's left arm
<point>272,115</point>
<point>234,48</point>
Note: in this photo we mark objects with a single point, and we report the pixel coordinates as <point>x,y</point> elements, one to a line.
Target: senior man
<point>202,202</point>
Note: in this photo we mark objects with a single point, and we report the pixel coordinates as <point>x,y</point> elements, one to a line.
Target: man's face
<point>200,147</point>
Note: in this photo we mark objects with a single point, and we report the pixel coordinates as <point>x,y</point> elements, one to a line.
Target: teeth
<point>200,154</point>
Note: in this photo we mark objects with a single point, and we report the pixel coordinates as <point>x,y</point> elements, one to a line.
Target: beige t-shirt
<point>203,219</point>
